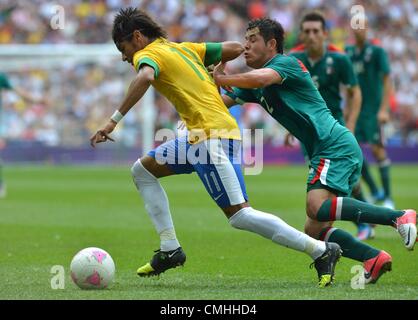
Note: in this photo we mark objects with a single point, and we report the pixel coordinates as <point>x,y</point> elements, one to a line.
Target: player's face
<point>128,48</point>
<point>257,51</point>
<point>313,35</point>
<point>360,34</point>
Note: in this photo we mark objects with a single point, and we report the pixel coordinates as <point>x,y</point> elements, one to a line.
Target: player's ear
<point>272,44</point>
<point>137,36</point>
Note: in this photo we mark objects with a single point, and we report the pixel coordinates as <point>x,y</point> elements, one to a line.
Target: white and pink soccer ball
<point>92,268</point>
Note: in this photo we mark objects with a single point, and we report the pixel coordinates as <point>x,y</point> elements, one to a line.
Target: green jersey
<point>296,104</point>
<point>4,84</point>
<point>370,64</point>
<point>332,70</point>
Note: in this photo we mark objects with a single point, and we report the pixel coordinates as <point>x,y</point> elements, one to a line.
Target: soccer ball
<point>92,268</point>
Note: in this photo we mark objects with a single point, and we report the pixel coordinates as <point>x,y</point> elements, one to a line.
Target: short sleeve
<point>209,52</point>
<point>287,67</point>
<point>4,82</point>
<point>383,61</point>
<point>242,96</point>
<point>213,53</point>
<point>347,74</point>
<point>148,58</point>
<point>195,48</point>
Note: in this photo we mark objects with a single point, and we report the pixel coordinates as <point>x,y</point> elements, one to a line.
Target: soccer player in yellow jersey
<point>211,148</point>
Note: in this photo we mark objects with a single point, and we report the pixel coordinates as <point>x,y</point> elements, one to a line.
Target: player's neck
<point>269,57</point>
<point>361,44</point>
<point>316,54</point>
<point>149,41</point>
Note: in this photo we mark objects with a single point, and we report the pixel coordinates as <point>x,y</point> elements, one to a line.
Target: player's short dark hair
<point>315,16</point>
<point>130,19</point>
<point>269,29</point>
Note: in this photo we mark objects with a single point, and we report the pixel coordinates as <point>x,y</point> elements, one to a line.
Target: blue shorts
<point>216,161</point>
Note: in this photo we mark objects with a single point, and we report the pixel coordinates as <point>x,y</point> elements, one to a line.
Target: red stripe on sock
<point>333,211</point>
<point>318,171</point>
<point>324,233</point>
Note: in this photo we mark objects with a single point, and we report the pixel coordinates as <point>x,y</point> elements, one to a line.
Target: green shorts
<point>368,130</point>
<point>337,167</point>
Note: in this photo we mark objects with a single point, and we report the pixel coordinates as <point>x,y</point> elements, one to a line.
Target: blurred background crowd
<point>82,96</point>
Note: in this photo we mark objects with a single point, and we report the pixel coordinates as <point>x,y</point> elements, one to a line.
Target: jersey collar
<point>272,59</point>
<point>366,45</point>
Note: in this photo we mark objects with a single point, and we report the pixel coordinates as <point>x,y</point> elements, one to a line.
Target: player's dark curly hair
<point>314,16</point>
<point>269,29</point>
<point>130,19</point>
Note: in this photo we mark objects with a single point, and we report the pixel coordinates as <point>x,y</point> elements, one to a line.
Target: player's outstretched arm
<point>231,50</point>
<point>136,91</point>
<point>259,78</point>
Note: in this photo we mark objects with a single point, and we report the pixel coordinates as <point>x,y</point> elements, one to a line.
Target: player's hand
<point>210,69</point>
<point>289,140</point>
<point>103,134</point>
<point>219,70</point>
<point>383,116</point>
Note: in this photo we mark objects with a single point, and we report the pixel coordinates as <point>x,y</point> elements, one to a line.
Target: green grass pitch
<point>51,213</point>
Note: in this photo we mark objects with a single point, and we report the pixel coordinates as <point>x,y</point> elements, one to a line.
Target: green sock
<point>349,209</point>
<point>365,172</point>
<point>358,194</point>
<point>351,247</point>
<point>384,167</point>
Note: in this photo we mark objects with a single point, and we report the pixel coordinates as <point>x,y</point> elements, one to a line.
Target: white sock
<point>156,204</point>
<point>274,228</point>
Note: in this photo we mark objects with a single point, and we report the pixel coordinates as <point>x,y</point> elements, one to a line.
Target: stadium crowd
<point>82,96</point>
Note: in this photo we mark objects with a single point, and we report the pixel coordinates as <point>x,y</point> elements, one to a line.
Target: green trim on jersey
<point>151,63</point>
<point>189,62</point>
<point>213,53</point>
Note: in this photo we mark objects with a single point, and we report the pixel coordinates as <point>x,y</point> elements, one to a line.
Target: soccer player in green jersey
<point>371,65</point>
<point>6,85</point>
<point>330,69</point>
<point>283,87</point>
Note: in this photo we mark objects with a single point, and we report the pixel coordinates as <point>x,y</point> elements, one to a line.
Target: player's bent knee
<point>140,174</point>
<point>312,210</point>
<point>136,168</point>
<point>238,220</point>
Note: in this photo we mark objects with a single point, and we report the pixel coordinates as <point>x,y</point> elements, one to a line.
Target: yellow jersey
<point>181,76</point>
